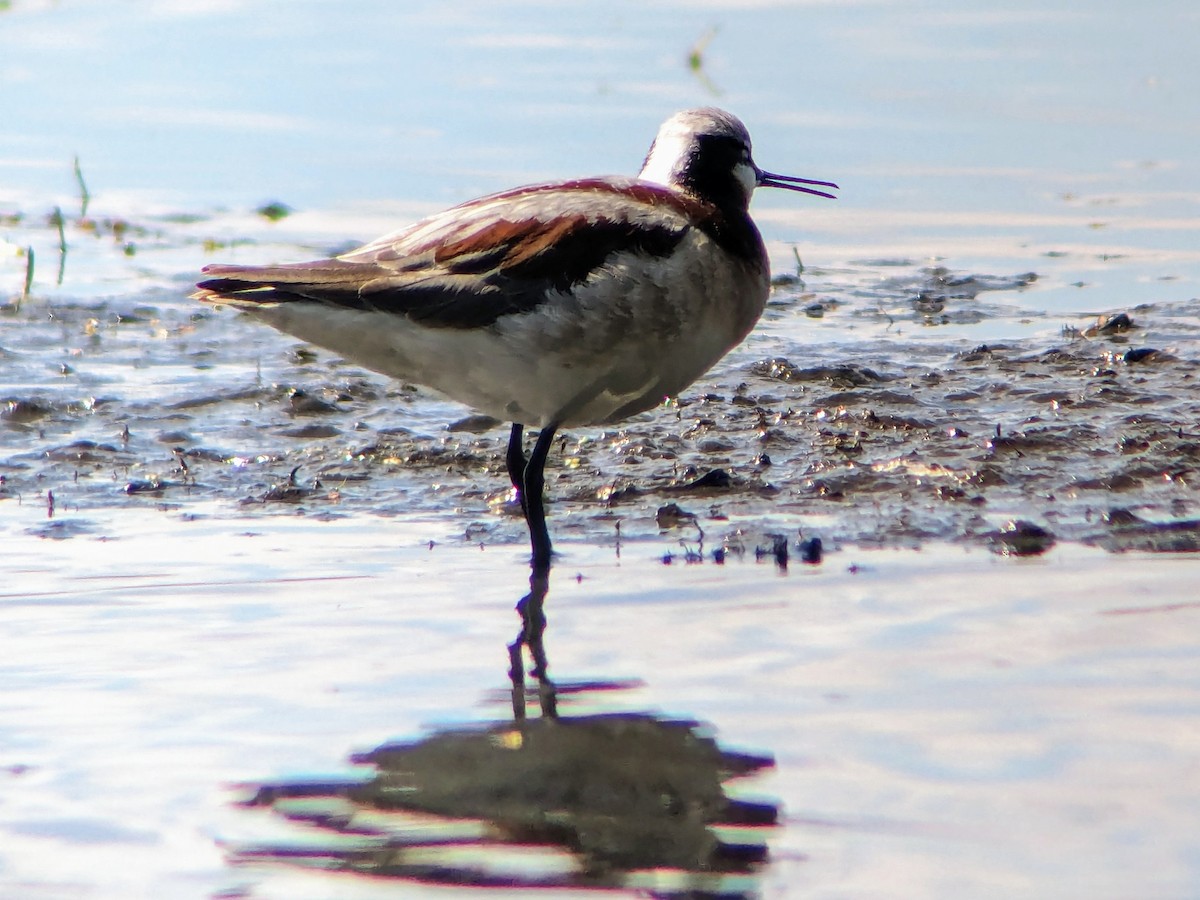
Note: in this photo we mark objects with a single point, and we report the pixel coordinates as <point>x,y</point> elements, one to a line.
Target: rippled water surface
<point>231,562</point>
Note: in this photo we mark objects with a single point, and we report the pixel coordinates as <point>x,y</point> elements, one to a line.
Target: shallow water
<point>229,560</point>
<point>926,733</point>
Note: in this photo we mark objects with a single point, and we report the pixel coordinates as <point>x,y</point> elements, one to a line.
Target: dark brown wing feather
<point>327,280</point>
<point>472,265</point>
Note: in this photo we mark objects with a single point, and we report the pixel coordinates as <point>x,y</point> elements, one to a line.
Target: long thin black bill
<point>791,183</point>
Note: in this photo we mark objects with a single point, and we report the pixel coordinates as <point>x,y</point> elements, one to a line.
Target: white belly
<point>641,331</point>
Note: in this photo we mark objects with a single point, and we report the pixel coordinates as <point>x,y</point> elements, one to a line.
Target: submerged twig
<point>28,275</point>
<point>56,218</point>
<point>84,197</point>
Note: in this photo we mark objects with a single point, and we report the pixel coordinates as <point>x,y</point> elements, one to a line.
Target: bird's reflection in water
<point>624,800</point>
<point>532,608</point>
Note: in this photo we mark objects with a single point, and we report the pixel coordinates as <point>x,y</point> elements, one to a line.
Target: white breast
<point>638,331</point>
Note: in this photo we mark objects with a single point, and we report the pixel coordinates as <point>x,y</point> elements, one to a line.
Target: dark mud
<point>893,438</point>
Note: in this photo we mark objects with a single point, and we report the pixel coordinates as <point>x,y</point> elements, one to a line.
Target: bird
<point>567,303</point>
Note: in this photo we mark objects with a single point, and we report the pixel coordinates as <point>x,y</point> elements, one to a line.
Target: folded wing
<point>474,264</point>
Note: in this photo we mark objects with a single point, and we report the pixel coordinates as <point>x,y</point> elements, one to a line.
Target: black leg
<point>535,512</point>
<point>517,461</point>
<point>528,477</point>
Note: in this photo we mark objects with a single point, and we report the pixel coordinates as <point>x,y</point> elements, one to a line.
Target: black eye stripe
<point>711,143</point>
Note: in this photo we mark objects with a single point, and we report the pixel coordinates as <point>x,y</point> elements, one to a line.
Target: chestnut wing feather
<point>479,262</point>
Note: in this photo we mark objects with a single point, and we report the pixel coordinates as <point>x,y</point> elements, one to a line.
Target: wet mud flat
<point>889,438</point>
